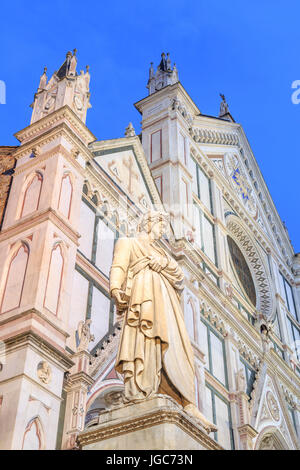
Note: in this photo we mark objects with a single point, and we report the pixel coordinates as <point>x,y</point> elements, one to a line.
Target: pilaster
<point>76,388</point>
<point>38,246</point>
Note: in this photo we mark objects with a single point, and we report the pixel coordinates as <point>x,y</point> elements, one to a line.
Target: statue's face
<point>158,229</point>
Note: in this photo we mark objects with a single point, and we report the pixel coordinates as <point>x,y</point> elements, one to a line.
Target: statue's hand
<point>121,304</point>
<point>157,264</point>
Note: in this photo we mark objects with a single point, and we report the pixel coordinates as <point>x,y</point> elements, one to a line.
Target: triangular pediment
<point>124,162</point>
<point>246,181</point>
<point>269,411</point>
<point>232,167</point>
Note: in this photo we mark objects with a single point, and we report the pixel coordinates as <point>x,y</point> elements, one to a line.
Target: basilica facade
<point>66,197</point>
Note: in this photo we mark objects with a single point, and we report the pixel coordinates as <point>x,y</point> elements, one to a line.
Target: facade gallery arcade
<point>66,199</point>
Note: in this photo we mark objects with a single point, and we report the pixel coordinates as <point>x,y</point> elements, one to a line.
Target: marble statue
<point>224,109</point>
<point>155,355</point>
<point>84,335</point>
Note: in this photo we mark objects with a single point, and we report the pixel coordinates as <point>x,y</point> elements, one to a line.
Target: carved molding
<point>105,350</point>
<point>158,417</point>
<point>265,297</point>
<point>208,136</point>
<point>213,318</point>
<point>51,119</point>
<point>246,352</point>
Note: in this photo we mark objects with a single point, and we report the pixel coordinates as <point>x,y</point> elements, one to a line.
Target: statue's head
<point>154,222</point>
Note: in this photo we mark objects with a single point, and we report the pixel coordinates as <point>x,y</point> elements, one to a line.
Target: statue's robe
<point>155,354</point>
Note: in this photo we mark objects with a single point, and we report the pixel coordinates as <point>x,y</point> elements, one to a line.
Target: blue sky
<point>248,50</point>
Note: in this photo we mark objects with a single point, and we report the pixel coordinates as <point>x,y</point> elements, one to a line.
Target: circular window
<point>242,270</point>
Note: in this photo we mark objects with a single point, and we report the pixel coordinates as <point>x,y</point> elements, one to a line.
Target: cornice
<point>162,163</point>
<point>57,150</point>
<point>56,324</point>
<point>36,384</point>
<point>92,270</point>
<point>164,414</point>
<point>80,379</point>
<point>31,221</point>
<point>58,354</point>
<point>40,126</point>
<point>207,136</point>
<point>61,130</point>
<point>168,91</point>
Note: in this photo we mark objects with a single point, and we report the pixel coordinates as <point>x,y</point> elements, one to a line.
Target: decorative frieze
<point>213,318</point>
<point>208,136</point>
<point>105,349</point>
<point>246,352</point>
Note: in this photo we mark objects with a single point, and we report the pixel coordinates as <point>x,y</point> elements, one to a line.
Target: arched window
<point>32,195</point>
<point>15,279</point>
<point>65,196</point>
<point>32,439</point>
<point>53,286</point>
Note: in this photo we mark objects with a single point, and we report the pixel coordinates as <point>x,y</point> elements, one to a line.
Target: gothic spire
<point>163,63</point>
<point>168,61</point>
<point>163,76</point>
<point>129,131</point>
<point>151,71</point>
<point>43,80</point>
<point>54,94</point>
<point>68,68</point>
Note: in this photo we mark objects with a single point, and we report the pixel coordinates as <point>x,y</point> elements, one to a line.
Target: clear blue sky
<point>248,50</point>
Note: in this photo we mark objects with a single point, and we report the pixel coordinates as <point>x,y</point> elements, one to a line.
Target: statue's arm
<point>120,263</point>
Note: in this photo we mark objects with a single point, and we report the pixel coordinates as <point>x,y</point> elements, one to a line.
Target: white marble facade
<point>72,196</point>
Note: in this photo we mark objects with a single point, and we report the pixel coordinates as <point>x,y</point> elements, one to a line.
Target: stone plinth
<point>154,424</point>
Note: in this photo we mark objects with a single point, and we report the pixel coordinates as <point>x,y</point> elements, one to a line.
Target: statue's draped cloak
<point>154,341</point>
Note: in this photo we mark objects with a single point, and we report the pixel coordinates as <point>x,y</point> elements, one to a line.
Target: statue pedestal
<point>155,424</point>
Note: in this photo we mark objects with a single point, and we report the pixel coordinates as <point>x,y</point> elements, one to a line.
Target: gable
<point>235,172</point>
<point>130,173</point>
<point>269,411</point>
<point>245,179</point>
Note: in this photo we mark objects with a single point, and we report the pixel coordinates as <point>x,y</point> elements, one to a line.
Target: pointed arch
<point>15,277</point>
<point>31,194</point>
<point>54,279</point>
<point>34,437</point>
<point>96,401</point>
<point>65,195</point>
<point>271,438</point>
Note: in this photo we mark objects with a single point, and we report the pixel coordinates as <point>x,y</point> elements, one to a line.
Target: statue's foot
<point>193,411</point>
